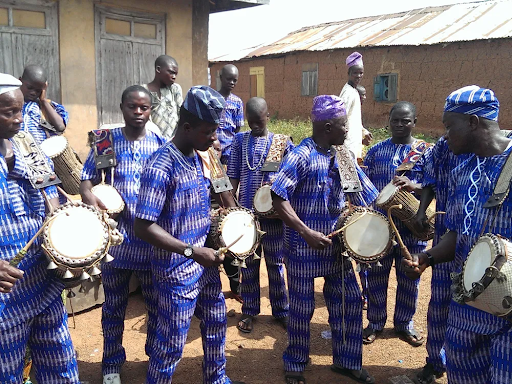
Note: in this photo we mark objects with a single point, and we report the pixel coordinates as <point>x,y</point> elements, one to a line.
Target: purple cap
<point>355,58</point>
<point>327,107</point>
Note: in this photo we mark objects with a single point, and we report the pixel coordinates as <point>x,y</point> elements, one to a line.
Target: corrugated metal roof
<point>425,26</point>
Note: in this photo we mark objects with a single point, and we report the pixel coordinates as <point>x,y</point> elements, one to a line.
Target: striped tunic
<point>132,156</point>
<point>32,116</point>
<point>231,120</point>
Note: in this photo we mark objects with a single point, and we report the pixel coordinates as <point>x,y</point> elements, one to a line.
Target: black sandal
<point>412,337</point>
<point>283,321</point>
<point>369,335</point>
<point>246,320</point>
<point>294,378</point>
<point>363,374</point>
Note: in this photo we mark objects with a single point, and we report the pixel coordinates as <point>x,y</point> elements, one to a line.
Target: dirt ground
<point>255,358</point>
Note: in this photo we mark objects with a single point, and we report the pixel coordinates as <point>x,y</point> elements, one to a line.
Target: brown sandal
<point>412,337</point>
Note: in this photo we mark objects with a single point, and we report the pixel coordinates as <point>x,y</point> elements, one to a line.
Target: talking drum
<point>486,279</point>
<point>228,224</point>
<point>67,165</point>
<point>392,195</point>
<point>262,203</point>
<point>76,237</point>
<point>109,197</point>
<point>366,234</point>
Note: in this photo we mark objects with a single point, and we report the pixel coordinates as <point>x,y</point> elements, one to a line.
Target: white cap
<point>8,83</point>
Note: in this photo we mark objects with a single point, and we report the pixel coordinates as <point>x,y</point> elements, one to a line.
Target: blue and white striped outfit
<point>175,195</point>
<point>248,153</point>
<point>309,179</point>
<point>437,170</point>
<point>133,256</point>
<point>33,313</point>
<point>231,120</point>
<point>381,161</point>
<point>32,114</point>
<point>478,344</point>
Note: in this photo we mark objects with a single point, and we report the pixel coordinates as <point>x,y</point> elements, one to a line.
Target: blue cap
<point>204,102</point>
<point>473,100</point>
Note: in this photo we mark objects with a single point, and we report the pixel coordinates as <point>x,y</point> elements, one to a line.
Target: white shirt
<point>354,140</point>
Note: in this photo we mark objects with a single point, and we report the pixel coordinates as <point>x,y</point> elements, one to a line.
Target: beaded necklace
<point>262,158</point>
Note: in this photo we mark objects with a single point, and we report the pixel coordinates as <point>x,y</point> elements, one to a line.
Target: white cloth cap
<point>8,83</point>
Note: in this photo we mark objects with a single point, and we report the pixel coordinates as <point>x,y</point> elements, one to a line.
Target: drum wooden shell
<point>75,265</point>
<point>359,238</point>
<point>262,203</point>
<point>216,236</point>
<point>67,166</point>
<point>486,281</point>
<point>392,195</point>
<point>110,197</point>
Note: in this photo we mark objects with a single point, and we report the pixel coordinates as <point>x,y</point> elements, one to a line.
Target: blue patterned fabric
<point>230,122</point>
<point>309,179</point>
<point>473,100</point>
<point>32,114</point>
<point>47,335</point>
<point>22,212</point>
<point>116,284</point>
<point>131,157</point>
<point>346,354</point>
<point>472,182</point>
<point>249,151</point>
<point>205,102</point>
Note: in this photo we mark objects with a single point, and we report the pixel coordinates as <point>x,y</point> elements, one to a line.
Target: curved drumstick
<point>405,251</point>
<point>429,219</point>
<point>223,250</point>
<point>66,195</point>
<point>334,233</point>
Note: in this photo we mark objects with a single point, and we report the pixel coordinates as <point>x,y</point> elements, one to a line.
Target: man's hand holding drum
<point>208,257</point>
<point>8,276</point>
<point>403,182</point>
<point>316,240</point>
<point>90,198</point>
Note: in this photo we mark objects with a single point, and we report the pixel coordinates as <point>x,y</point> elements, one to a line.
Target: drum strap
<point>40,172</point>
<point>417,151</point>
<point>347,170</point>
<point>102,142</point>
<point>275,153</point>
<point>215,171</point>
<point>502,188</point>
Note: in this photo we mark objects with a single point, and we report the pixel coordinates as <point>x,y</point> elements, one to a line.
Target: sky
<point>245,28</point>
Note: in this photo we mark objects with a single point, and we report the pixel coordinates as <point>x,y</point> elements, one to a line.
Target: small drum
<point>67,165</point>
<point>262,203</point>
<point>367,236</point>
<point>76,238</point>
<point>109,196</point>
<point>486,279</point>
<point>392,195</point>
<point>228,224</point>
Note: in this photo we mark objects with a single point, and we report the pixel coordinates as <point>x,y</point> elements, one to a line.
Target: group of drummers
<point>145,209</point>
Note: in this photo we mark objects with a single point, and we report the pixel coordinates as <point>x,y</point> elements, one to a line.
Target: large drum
<point>262,203</point>
<point>109,197</point>
<point>392,195</point>
<point>367,235</point>
<point>76,238</point>
<point>67,165</point>
<point>227,226</point>
<point>486,279</point>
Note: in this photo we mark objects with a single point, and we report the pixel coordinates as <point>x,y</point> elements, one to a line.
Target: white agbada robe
<point>352,101</point>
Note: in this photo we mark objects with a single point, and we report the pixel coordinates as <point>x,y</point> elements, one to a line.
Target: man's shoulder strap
<point>275,153</point>
<point>417,151</point>
<point>102,143</point>
<point>502,188</point>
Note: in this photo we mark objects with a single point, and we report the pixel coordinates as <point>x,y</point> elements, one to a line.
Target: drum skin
<point>486,278</point>
<point>262,203</point>
<point>369,238</point>
<point>109,197</point>
<point>392,195</point>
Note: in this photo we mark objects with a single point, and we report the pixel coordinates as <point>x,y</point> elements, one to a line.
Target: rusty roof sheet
<point>425,26</point>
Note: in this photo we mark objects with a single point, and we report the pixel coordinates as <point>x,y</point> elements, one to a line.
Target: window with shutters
<point>385,87</point>
<point>309,85</point>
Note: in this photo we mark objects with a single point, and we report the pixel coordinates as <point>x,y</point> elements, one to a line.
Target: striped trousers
<point>473,358</point>
<point>346,323</point>
<point>437,315</point>
<point>176,306</point>
<point>48,337</point>
<point>406,293</point>
<point>272,244</point>
<point>116,286</point>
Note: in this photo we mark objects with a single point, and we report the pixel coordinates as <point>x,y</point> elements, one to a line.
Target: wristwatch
<point>188,252</point>
<point>430,259</point>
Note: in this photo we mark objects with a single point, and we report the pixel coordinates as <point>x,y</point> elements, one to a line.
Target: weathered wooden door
<point>29,34</point>
<point>126,48</point>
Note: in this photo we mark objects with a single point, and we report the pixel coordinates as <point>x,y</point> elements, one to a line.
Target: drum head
<point>387,193</point>
<point>109,196</point>
<point>54,145</point>
<point>235,224</point>
<point>76,233</point>
<point>369,236</point>
<point>263,199</point>
<point>479,259</point>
